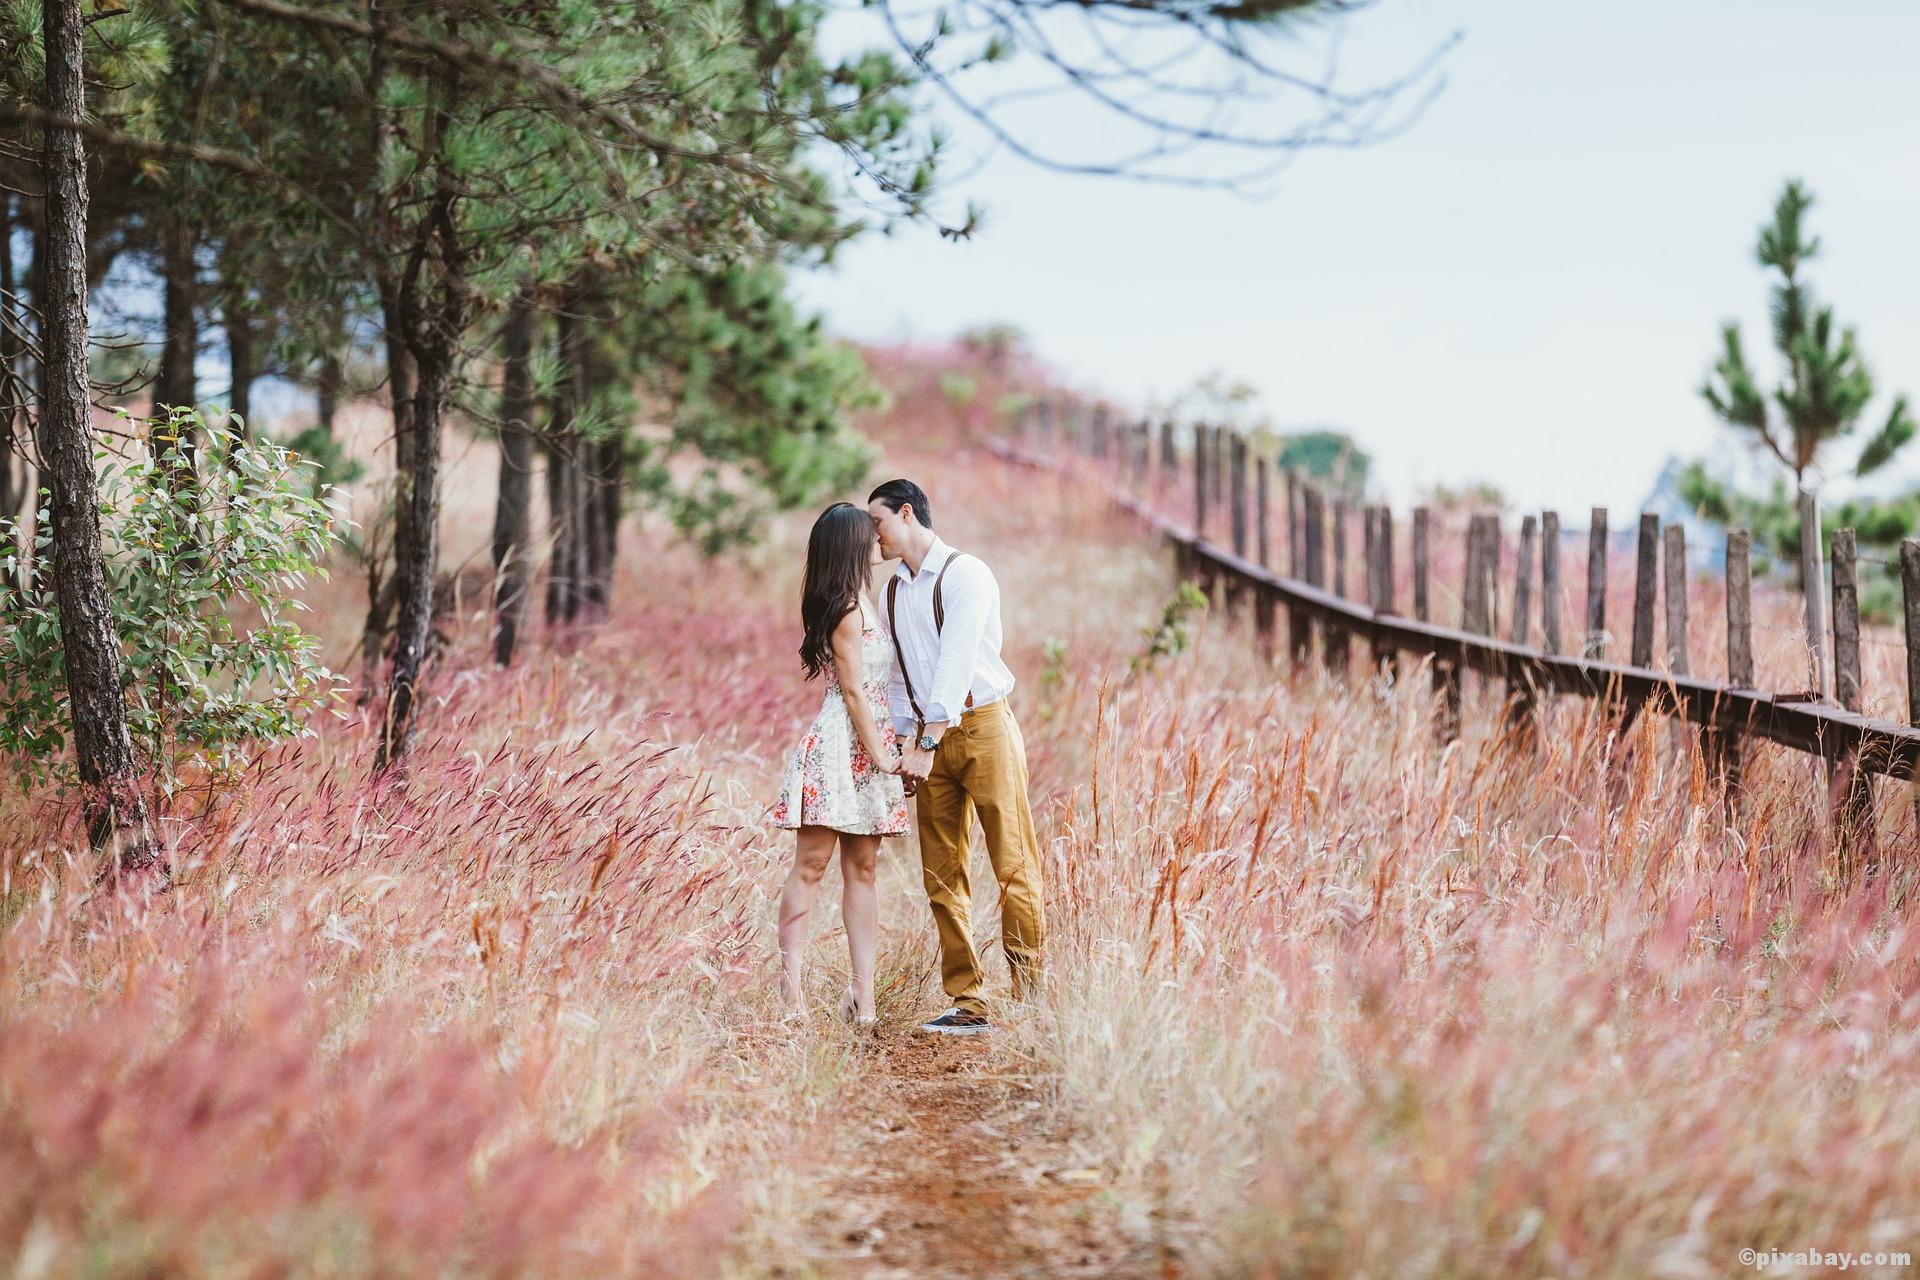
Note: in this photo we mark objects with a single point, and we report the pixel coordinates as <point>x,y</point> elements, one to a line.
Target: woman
<point>843,785</point>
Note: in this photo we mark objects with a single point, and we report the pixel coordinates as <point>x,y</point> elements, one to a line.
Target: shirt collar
<point>936,556</point>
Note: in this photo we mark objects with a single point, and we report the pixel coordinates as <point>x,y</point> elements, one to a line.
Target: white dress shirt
<point>962,657</point>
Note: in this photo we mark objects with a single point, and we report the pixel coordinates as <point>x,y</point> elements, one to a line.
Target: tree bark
<point>416,542</point>
<point>241,364</point>
<point>432,327</point>
<point>513,515</point>
<point>607,492</point>
<point>565,508</point>
<point>12,470</point>
<point>116,810</point>
<point>177,385</point>
<point>382,589</point>
<point>327,389</point>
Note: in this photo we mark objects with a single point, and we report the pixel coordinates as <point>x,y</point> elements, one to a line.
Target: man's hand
<point>916,764</point>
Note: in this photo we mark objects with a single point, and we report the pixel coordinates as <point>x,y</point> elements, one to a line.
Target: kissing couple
<point>915,706</point>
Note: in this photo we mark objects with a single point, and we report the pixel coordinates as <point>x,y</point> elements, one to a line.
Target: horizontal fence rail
<point>1792,720</point>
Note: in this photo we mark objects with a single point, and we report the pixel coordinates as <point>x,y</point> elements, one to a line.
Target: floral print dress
<point>831,780</point>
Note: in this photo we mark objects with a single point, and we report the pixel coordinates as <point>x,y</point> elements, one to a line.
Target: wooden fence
<point>1220,471</point>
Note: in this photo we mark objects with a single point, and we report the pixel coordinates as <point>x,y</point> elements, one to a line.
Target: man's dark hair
<point>904,493</point>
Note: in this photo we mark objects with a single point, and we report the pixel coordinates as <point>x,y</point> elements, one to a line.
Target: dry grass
<point>1336,999</point>
<point>1325,997</point>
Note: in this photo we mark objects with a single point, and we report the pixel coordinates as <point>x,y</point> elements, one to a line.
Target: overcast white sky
<point>1525,288</point>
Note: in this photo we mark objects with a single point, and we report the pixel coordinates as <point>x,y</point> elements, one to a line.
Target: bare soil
<point>956,1175</point>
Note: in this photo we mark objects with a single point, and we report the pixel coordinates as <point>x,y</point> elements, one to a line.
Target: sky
<point>1525,287</point>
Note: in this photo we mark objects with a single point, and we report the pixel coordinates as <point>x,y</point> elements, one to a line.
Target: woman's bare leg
<point>860,908</point>
<point>812,850</point>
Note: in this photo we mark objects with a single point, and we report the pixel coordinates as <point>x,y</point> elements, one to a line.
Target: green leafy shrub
<point>958,389</point>
<point>1174,631</point>
<point>333,465</point>
<point>200,576</point>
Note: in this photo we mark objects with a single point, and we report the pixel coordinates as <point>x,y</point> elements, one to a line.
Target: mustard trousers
<point>981,768</point>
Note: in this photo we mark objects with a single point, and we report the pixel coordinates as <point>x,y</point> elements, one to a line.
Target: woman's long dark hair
<point>839,562</point>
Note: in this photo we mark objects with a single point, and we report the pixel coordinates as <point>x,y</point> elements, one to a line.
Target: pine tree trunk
<point>513,515</point>
<point>432,326</point>
<point>416,546</point>
<point>609,466</point>
<point>241,368</point>
<point>12,407</point>
<point>563,475</point>
<point>116,811</point>
<point>559,509</point>
<point>382,581</point>
<point>327,390</point>
<point>177,385</point>
<point>579,569</point>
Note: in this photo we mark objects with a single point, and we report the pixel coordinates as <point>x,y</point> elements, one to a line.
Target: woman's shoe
<point>849,1009</point>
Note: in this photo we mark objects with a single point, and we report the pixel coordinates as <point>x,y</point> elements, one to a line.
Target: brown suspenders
<point>939,623</point>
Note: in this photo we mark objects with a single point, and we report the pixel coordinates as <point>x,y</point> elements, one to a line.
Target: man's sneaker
<point>956,1022</point>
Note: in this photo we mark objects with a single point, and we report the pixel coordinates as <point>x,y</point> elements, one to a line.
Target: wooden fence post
<point>1334,637</point>
<point>1813,593</point>
<point>1422,525</point>
<point>1199,482</point>
<point>1238,499</point>
<point>1550,580</point>
<point>1262,506</point>
<point>1596,645</point>
<point>1380,581</point>
<point>1315,549</point>
<point>1645,578</point>
<point>1846,620</point>
<point>1740,608</point>
<point>1726,747</point>
<point>1295,564</point>
<point>1237,517</point>
<point>1217,466</point>
<point>1521,693</point>
<point>1678,659</point>
<point>1475,614</point>
<point>1264,604</point>
<point>1168,459</point>
<point>1299,631</point>
<point>1444,674</point>
<point>1910,599</point>
<point>1674,590</point>
<point>1854,817</point>
<point>1520,630</point>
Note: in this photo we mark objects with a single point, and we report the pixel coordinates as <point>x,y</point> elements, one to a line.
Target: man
<point>962,750</point>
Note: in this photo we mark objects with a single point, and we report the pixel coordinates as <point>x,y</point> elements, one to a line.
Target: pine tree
<point>1824,387</point>
<point>1822,394</point>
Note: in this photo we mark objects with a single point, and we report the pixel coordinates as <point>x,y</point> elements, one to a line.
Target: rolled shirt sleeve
<point>898,706</point>
<point>969,593</point>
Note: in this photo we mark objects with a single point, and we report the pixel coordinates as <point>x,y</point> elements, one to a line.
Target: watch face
<point>927,743</point>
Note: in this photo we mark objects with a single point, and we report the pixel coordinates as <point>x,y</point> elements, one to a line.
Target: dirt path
<point>955,1176</point>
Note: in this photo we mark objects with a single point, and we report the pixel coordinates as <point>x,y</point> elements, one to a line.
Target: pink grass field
<point>1326,997</point>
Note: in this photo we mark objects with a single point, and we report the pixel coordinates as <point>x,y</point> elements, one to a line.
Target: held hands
<point>915,764</point>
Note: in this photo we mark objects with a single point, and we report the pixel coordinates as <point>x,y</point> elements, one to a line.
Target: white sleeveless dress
<point>831,781</point>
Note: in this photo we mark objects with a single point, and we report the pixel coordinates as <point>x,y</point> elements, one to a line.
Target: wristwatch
<point>927,742</point>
